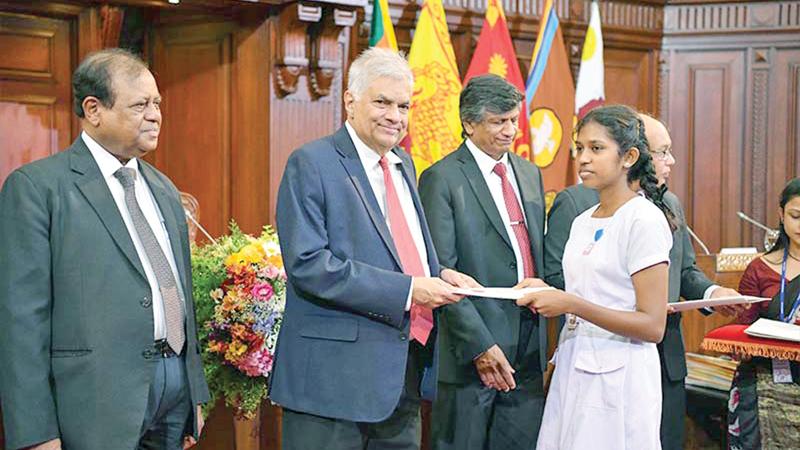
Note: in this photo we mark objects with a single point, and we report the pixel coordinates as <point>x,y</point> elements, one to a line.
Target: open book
<point>774,329</point>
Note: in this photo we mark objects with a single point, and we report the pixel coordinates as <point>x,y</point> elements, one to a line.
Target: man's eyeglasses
<point>662,155</point>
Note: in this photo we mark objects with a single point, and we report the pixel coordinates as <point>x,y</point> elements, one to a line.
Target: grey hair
<point>487,93</point>
<point>374,63</point>
<point>93,77</point>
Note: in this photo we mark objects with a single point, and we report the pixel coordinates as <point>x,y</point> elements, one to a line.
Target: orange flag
<point>434,126</point>
<point>550,95</point>
<point>495,54</point>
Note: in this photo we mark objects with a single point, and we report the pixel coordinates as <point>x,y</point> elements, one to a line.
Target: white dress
<point>606,388</point>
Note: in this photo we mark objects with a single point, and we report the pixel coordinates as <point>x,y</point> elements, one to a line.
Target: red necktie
<point>517,221</point>
<point>421,318</point>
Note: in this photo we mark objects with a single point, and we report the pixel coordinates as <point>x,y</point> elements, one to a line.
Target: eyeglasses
<point>662,155</point>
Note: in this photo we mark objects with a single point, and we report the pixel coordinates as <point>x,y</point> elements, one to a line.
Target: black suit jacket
<point>469,236</point>
<point>685,279</point>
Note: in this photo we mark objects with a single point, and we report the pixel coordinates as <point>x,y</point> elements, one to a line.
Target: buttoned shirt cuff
<point>707,295</point>
<point>410,291</point>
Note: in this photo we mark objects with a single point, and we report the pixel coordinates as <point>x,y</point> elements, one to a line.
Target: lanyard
<point>783,289</point>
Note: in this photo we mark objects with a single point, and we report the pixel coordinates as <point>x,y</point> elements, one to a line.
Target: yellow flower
<point>235,350</point>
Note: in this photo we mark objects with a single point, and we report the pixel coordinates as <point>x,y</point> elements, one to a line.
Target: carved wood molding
<point>325,49</point>
<point>292,38</point>
<point>308,44</point>
<point>732,16</point>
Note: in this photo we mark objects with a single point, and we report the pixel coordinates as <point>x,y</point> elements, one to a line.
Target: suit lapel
<point>165,204</point>
<point>478,184</point>
<point>355,170</point>
<point>95,189</point>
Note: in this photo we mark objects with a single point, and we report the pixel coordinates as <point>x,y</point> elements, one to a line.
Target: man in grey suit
<point>357,345</point>
<point>485,209</point>
<point>685,279</point>
<point>99,342</point>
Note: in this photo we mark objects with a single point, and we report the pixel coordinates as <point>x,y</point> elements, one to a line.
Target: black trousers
<point>673,413</point>
<point>401,431</point>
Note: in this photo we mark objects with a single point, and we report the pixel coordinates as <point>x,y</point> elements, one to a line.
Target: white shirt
<point>486,165</point>
<point>370,160</point>
<point>109,164</point>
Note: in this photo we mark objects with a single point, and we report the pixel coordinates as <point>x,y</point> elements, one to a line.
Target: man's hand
<point>458,279</point>
<point>728,310</point>
<point>190,441</point>
<point>55,444</point>
<point>433,292</point>
<point>530,283</point>
<point>495,370</point>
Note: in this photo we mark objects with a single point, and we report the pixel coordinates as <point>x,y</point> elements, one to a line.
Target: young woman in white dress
<point>606,387</point>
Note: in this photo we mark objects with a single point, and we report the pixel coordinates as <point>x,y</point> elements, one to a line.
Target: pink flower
<point>262,291</point>
<point>256,364</point>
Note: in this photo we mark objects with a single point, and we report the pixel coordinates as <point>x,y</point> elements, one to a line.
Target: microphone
<point>771,235</point>
<point>747,218</point>
<point>697,239</point>
<point>200,227</point>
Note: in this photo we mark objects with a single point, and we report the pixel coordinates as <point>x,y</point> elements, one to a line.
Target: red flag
<point>495,54</point>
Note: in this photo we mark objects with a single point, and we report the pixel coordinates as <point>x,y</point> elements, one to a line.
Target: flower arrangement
<point>240,291</point>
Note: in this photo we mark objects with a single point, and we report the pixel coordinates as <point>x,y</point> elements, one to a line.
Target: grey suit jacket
<point>685,279</point>
<point>469,236</point>
<point>76,318</point>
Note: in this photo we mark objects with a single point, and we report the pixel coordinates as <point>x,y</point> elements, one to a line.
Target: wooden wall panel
<point>757,131</point>
<point>630,77</point>
<point>35,94</point>
<point>192,65</point>
<point>706,102</point>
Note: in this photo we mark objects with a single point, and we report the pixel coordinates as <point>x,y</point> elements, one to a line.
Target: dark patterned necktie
<point>173,307</point>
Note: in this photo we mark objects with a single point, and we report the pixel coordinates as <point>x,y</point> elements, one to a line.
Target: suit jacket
<point>344,340</point>
<point>470,236</point>
<point>685,279</point>
<point>75,308</point>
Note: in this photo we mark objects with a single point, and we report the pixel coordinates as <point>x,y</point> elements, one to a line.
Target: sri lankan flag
<point>550,96</point>
<point>495,54</point>
<point>381,33</point>
<point>434,125</point>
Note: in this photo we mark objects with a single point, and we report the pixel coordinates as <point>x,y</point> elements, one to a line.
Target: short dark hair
<point>487,93</point>
<point>93,77</point>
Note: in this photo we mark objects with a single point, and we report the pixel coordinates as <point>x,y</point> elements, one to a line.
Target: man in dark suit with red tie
<point>486,212</point>
<point>357,342</point>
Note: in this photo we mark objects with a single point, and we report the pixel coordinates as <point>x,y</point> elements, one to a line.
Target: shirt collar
<point>107,162</point>
<point>485,162</point>
<point>369,157</point>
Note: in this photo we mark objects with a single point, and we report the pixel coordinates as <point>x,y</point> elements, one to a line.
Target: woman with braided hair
<point>606,387</point>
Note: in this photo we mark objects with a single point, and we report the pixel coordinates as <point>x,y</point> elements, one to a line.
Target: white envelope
<point>720,301</point>
<point>496,292</point>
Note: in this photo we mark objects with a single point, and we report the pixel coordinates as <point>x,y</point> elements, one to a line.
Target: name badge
<point>781,371</point>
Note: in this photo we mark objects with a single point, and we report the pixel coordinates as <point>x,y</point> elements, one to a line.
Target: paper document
<point>504,293</point>
<point>774,329</point>
<point>720,301</point>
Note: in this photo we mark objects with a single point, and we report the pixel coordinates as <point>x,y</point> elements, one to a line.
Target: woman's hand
<point>549,303</point>
<point>530,283</point>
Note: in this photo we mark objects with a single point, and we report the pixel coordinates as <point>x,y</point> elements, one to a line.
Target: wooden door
<point>35,103</point>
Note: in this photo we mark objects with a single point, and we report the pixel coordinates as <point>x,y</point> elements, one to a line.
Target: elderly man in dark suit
<point>357,342</point>
<point>99,343</point>
<point>486,212</point>
<point>685,279</point>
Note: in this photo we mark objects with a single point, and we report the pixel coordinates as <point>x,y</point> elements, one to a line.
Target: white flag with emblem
<point>590,90</point>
